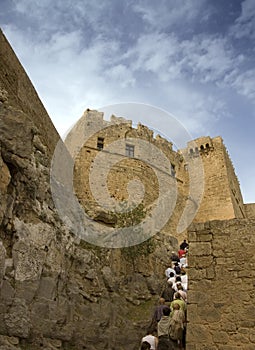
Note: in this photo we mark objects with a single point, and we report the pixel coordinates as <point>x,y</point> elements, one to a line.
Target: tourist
<point>158,312</point>
<point>181,252</point>
<point>183,261</point>
<point>145,346</point>
<point>177,268</point>
<point>164,342</point>
<point>184,245</point>
<point>176,325</point>
<point>174,257</point>
<point>181,291</point>
<point>168,293</point>
<point>168,271</point>
<point>151,339</point>
<point>184,280</point>
<point>178,300</point>
<point>171,278</point>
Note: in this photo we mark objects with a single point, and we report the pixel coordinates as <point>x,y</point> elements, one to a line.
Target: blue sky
<point>192,58</point>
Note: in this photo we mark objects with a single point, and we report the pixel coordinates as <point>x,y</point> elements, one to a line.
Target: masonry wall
<point>221,311</point>
<point>222,198</point>
<point>115,134</point>
<point>16,87</point>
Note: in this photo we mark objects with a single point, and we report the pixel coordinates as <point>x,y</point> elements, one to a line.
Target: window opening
<point>100,143</point>
<point>173,172</point>
<point>130,150</point>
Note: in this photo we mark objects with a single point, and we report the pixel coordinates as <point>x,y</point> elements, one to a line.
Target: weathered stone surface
<point>2,262</point>
<point>221,303</point>
<point>17,320</point>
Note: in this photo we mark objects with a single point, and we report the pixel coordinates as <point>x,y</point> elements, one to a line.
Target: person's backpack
<point>175,329</point>
<point>177,270</point>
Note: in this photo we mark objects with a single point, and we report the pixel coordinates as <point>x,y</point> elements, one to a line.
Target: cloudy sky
<point>191,58</point>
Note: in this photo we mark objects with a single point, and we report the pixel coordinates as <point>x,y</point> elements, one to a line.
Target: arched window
<point>202,147</point>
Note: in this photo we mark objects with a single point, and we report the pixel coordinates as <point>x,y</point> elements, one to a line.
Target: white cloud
<point>167,13</point>
<point>245,24</point>
<point>245,84</point>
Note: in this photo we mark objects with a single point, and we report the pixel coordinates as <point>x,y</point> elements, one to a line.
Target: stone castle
<point>219,196</point>
<point>60,292</point>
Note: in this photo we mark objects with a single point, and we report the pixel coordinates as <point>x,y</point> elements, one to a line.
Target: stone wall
<point>221,312</point>
<point>16,87</point>
<point>56,291</point>
<point>113,182</point>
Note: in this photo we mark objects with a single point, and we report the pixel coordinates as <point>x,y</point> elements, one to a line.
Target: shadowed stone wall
<point>221,311</point>
<point>57,292</point>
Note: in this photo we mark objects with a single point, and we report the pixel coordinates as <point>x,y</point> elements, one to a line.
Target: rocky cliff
<point>57,291</point>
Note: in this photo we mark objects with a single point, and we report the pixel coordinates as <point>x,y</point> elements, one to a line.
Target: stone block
<point>209,313</point>
<point>26,290</point>
<point>199,334</point>
<point>198,297</point>
<point>200,249</point>
<point>210,272</point>
<point>47,288</point>
<point>220,337</point>
<point>17,320</point>
<point>192,236</point>
<point>204,237</point>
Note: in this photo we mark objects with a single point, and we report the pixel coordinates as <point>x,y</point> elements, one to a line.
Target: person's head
<point>166,311</point>
<point>178,279</point>
<point>145,345</point>
<point>176,264</point>
<point>161,301</point>
<point>170,284</point>
<point>179,286</point>
<point>171,274</point>
<point>176,306</point>
<point>177,295</point>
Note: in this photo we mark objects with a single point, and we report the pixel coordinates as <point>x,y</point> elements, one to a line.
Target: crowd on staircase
<point>167,330</point>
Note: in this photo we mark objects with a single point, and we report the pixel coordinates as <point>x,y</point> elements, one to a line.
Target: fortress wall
<point>115,135</point>
<point>122,170</point>
<point>21,93</point>
<point>221,311</point>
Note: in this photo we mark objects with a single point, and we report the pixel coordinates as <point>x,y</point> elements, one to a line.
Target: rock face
<point>58,292</point>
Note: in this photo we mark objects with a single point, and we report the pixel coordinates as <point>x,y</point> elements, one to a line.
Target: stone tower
<point>222,198</point>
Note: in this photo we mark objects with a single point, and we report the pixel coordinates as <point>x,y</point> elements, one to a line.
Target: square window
<point>100,143</point>
<point>130,150</point>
